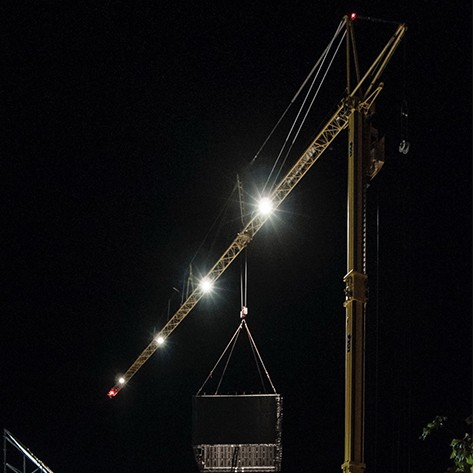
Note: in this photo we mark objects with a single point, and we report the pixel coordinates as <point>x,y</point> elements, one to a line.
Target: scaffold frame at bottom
<point>20,459</point>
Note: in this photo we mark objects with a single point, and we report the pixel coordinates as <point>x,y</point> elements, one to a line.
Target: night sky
<point>124,125</point>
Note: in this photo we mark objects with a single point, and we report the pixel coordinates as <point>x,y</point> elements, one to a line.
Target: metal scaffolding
<point>20,459</point>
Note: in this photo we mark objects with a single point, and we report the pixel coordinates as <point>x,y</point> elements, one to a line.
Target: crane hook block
<point>404,147</point>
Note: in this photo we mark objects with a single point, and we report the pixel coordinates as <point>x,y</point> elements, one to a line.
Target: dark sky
<point>124,125</point>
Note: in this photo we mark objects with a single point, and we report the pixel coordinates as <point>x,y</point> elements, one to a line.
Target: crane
<point>354,104</point>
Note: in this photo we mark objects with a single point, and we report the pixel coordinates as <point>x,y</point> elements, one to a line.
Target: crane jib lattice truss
<point>338,122</point>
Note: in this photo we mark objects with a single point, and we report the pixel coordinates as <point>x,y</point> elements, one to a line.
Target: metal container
<point>236,433</point>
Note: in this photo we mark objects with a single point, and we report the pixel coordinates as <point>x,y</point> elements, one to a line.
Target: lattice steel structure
<point>351,103</point>
<point>19,458</point>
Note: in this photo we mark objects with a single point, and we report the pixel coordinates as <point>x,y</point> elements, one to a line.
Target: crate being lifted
<point>237,432</point>
<point>241,432</point>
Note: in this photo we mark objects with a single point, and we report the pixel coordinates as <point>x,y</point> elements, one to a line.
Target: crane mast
<point>361,169</point>
<point>352,113</point>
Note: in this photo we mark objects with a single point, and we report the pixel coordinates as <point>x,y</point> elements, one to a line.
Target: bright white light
<point>160,340</point>
<point>206,285</point>
<point>121,380</point>
<point>265,206</point>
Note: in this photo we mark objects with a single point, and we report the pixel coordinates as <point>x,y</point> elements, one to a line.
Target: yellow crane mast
<point>354,104</point>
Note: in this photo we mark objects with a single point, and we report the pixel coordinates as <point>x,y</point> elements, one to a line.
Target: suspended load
<point>240,432</point>
<point>237,432</point>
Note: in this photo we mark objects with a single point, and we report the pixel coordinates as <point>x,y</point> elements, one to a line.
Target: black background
<point>123,127</point>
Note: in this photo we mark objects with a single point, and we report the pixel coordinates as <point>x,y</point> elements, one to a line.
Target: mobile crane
<point>364,161</point>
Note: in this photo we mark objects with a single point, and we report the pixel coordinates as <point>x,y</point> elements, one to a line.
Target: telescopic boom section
<point>337,123</point>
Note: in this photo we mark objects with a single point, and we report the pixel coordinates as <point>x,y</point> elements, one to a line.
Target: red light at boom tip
<point>353,17</point>
<point>112,393</point>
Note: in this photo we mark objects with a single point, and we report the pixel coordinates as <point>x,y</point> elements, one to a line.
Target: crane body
<point>353,112</point>
<point>337,122</point>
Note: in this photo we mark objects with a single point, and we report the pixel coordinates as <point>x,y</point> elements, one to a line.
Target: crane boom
<point>338,122</point>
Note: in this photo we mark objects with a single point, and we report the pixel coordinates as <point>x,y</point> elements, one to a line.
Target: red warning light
<point>353,17</point>
<point>112,393</point>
